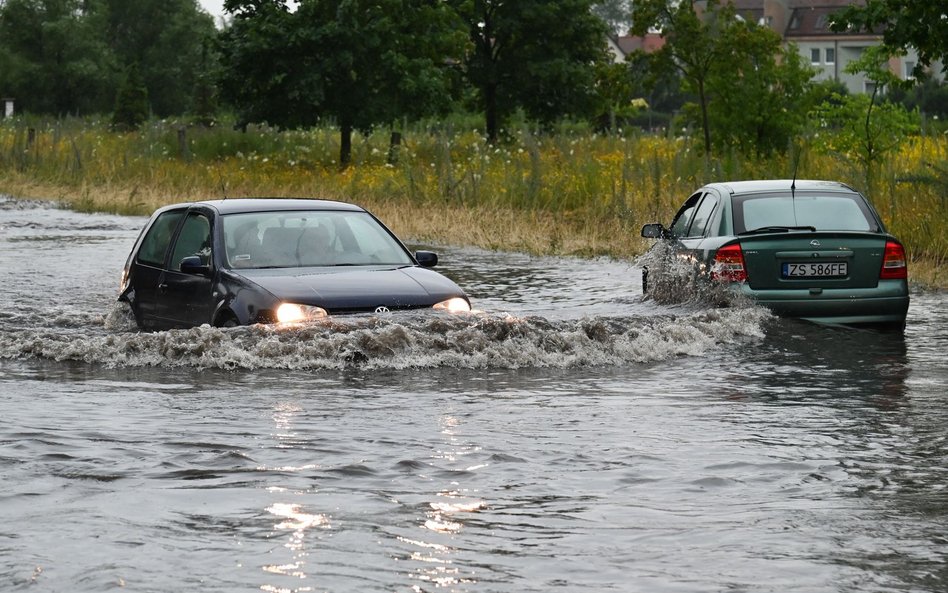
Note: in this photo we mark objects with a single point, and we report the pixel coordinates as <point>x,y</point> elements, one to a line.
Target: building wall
<point>830,56</point>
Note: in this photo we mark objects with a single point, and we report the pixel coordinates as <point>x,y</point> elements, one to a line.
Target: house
<point>806,23</point>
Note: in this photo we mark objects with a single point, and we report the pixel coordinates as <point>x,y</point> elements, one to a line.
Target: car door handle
<point>163,287</point>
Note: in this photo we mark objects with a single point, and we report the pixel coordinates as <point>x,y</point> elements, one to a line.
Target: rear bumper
<point>885,304</point>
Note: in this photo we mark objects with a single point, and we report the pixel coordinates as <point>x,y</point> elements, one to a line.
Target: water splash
<point>676,278</point>
<point>396,341</point>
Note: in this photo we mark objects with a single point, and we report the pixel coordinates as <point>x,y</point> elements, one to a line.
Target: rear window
<point>839,212</point>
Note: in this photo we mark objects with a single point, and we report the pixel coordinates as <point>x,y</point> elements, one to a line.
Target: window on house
<point>821,22</point>
<point>815,55</point>
<point>830,55</point>
<point>909,70</point>
<point>870,87</point>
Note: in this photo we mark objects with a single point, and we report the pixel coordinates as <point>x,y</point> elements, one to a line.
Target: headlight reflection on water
<point>298,522</point>
<point>291,517</point>
<point>446,517</point>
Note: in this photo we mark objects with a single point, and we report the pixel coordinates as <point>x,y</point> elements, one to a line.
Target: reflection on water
<point>573,437</point>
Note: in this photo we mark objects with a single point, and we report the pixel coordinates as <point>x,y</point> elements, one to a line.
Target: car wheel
<point>227,321</point>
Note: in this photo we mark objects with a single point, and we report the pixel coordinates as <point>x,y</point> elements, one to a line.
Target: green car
<point>816,250</point>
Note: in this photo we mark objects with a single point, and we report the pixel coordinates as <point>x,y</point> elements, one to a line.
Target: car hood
<point>356,288</point>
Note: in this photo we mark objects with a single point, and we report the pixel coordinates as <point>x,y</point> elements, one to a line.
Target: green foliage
<point>615,13</point>
<point>205,105</point>
<point>636,94</point>
<point>581,192</point>
<point>904,24</point>
<point>56,61</point>
<point>929,97</point>
<point>131,103</point>
<point>752,94</point>
<point>693,44</point>
<point>761,92</point>
<point>358,62</point>
<point>660,87</point>
<point>165,38</point>
<point>68,56</point>
<point>537,55</point>
<point>857,127</point>
<point>614,91</point>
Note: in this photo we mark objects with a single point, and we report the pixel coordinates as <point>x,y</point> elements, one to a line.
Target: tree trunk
<point>490,112</point>
<point>704,117</point>
<point>394,142</point>
<point>345,145</point>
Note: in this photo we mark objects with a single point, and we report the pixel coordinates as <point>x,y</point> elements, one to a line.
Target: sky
<point>214,7</point>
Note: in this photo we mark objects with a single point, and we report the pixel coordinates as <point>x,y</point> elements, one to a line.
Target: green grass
<point>573,192</point>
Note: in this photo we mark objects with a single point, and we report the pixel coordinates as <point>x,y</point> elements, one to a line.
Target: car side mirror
<point>193,265</point>
<point>654,230</point>
<point>426,259</point>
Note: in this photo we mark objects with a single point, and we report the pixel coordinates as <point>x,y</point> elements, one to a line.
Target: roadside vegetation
<point>566,192</point>
<point>464,121</point>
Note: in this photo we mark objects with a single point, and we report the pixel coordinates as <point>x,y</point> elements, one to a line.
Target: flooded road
<point>570,437</point>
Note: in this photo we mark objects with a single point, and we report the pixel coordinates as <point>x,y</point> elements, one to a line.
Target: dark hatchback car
<point>243,261</point>
<point>816,250</point>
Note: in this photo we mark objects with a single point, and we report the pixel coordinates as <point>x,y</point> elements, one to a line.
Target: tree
<point>861,125</point>
<point>359,62</point>
<point>538,55</point>
<point>68,56</point>
<point>760,93</point>
<point>165,39</point>
<point>615,13</point>
<point>905,24</point>
<point>131,104</point>
<point>692,43</point>
<point>56,60</point>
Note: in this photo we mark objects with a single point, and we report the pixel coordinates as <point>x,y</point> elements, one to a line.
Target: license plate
<point>815,270</point>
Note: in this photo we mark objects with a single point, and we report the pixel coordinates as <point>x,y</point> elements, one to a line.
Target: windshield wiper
<point>777,229</point>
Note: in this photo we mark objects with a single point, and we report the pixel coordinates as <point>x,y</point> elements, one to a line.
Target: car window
<point>679,227</point>
<point>832,212</point>
<point>194,239</point>
<point>308,238</point>
<point>155,244</point>
<point>702,216</point>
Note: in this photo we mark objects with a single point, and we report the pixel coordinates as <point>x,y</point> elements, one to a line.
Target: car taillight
<point>894,265</point>
<point>728,264</point>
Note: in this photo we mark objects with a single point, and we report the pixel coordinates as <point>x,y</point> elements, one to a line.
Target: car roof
<point>240,205</point>
<point>779,185</point>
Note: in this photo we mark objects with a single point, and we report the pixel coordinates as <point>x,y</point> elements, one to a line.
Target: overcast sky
<point>214,7</point>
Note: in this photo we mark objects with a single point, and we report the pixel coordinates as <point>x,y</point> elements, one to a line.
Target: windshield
<point>837,212</point>
<point>309,238</point>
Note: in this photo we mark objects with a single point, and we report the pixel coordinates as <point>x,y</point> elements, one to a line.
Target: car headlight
<point>454,305</point>
<point>291,313</point>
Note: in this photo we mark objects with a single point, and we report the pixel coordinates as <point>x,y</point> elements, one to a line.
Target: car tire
<point>227,321</point>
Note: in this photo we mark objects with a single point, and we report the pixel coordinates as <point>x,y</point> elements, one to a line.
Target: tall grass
<point>565,193</point>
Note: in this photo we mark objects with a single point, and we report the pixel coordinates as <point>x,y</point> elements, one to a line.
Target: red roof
<point>650,43</point>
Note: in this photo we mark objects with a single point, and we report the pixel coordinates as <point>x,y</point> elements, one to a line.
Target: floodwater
<point>569,437</point>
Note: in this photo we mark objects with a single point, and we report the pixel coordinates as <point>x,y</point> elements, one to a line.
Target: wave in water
<point>396,341</point>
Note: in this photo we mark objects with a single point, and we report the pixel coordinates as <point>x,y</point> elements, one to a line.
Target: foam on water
<point>394,341</point>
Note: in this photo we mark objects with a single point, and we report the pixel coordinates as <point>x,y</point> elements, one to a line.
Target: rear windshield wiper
<point>777,229</point>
